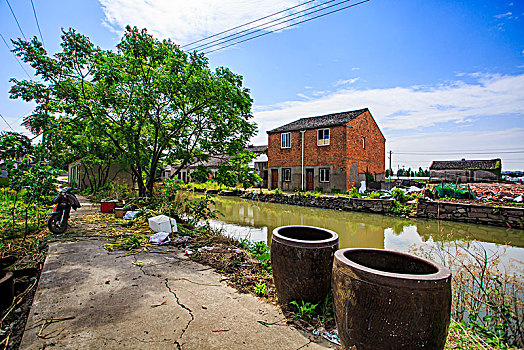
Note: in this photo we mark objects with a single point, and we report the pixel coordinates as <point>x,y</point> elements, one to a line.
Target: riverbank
<point>487,214</point>
<point>107,293</point>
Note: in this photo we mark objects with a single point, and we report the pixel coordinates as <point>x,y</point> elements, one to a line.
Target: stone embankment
<point>380,206</point>
<point>472,213</point>
<point>512,217</point>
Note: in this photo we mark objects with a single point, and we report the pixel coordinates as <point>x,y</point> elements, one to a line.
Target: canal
<point>243,218</point>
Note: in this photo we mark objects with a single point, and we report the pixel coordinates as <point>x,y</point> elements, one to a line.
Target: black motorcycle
<point>64,201</point>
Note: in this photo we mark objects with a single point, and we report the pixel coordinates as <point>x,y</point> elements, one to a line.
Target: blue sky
<point>443,79</point>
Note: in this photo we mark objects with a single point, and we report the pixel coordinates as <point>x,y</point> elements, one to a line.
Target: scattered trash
<point>157,305</point>
<point>414,189</point>
<point>204,307</point>
<point>362,188</point>
<point>162,223</point>
<point>205,248</point>
<point>189,252</point>
<point>518,199</point>
<point>331,336</point>
<point>130,215</point>
<point>160,238</point>
<point>497,191</point>
<point>181,240</point>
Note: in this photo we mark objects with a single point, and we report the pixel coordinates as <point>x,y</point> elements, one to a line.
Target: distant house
<point>329,152</point>
<point>82,177</point>
<point>259,165</point>
<point>465,170</point>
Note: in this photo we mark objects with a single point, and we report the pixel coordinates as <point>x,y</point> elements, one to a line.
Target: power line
<point>254,30</point>
<point>455,153</point>
<point>291,25</point>
<point>248,23</point>
<point>14,16</point>
<point>38,25</point>
<point>17,60</point>
<point>9,125</point>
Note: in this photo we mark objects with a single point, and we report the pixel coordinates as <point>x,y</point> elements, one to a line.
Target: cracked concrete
<point>95,299</point>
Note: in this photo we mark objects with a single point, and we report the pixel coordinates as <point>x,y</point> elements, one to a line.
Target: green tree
<point>155,103</point>
<point>14,146</point>
<point>237,171</point>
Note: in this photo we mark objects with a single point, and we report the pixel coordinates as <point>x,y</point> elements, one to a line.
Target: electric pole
<point>390,170</point>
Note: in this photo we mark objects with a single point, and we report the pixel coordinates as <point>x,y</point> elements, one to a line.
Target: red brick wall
<point>333,154</point>
<point>345,148</point>
<point>372,157</point>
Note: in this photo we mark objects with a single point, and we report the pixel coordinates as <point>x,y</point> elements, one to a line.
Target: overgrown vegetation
<point>145,104</point>
<point>403,204</point>
<point>488,301</point>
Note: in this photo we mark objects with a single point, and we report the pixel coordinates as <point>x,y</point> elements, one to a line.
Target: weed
<point>354,193</point>
<point>374,195</point>
<point>486,301</point>
<point>278,192</point>
<point>306,310</point>
<point>126,242</point>
<point>260,289</point>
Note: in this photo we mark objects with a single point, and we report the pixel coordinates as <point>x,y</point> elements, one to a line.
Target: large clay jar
<point>390,300</point>
<point>301,260</point>
<point>7,290</point>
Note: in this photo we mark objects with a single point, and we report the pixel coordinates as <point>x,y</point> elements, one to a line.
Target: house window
<point>285,140</point>
<point>363,142</point>
<point>322,137</point>
<point>324,175</point>
<point>286,174</point>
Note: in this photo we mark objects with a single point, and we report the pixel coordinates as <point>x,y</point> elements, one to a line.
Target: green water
<point>256,220</point>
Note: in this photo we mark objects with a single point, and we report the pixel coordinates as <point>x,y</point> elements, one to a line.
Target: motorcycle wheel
<point>54,223</point>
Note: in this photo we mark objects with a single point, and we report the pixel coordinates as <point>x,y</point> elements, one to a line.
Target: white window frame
<point>322,174</point>
<point>363,142</point>
<point>323,141</point>
<point>283,137</point>
<point>286,174</point>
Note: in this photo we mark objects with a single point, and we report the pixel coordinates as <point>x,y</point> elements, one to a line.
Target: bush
<point>335,191</point>
<point>486,300</point>
<point>374,195</point>
<point>354,193</point>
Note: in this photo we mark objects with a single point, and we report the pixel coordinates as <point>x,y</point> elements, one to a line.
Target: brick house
<point>259,166</point>
<point>333,151</point>
<point>466,170</point>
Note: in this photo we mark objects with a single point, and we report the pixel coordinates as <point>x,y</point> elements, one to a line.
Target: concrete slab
<point>89,298</point>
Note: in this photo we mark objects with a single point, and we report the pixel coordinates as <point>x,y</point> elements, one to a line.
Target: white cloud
<point>504,15</point>
<point>346,82</point>
<point>408,108</point>
<point>406,112</point>
<point>185,21</point>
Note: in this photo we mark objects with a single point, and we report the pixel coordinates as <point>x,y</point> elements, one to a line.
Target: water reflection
<point>256,221</point>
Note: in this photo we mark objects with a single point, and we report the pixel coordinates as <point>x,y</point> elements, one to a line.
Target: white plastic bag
<point>160,238</point>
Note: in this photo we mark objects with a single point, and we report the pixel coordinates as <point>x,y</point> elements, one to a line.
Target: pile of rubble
<point>498,192</point>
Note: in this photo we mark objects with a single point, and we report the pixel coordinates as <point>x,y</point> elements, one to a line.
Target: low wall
<point>379,206</point>
<point>471,213</point>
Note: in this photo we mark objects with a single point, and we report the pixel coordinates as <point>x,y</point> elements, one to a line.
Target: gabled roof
<point>324,121</point>
<point>257,149</point>
<point>463,164</point>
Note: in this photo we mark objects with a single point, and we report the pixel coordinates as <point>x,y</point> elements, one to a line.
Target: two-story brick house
<point>333,151</point>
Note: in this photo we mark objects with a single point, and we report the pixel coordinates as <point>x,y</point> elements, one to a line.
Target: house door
<point>309,180</point>
<point>274,178</point>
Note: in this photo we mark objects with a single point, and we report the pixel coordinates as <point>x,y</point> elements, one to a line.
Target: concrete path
<point>88,298</point>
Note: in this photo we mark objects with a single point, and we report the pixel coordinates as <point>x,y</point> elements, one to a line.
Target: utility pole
<point>390,152</point>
